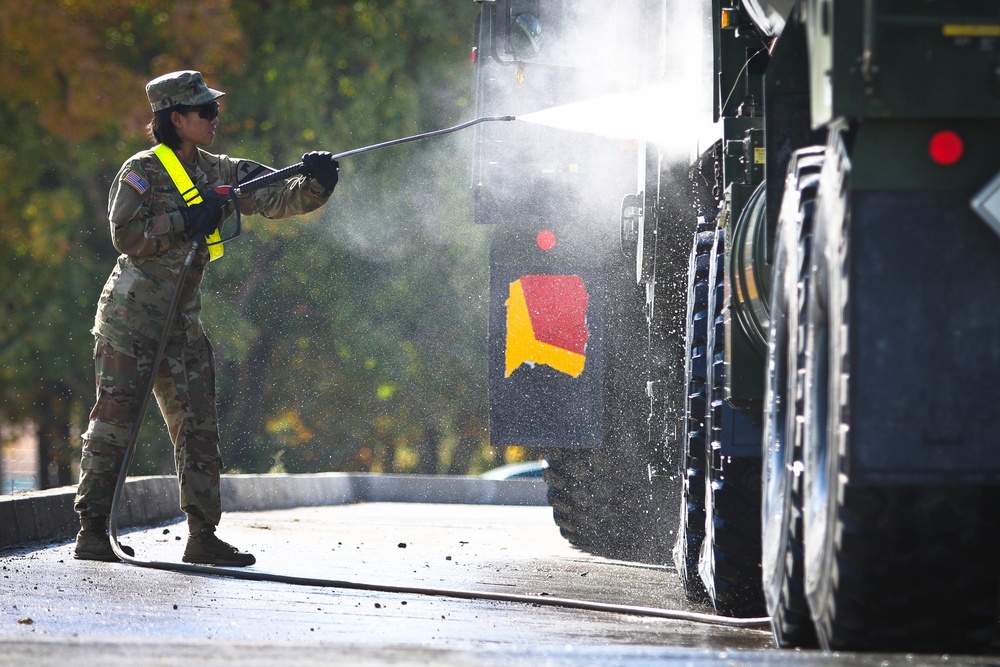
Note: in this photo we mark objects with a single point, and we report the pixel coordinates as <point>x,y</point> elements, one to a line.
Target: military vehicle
<point>772,309</point>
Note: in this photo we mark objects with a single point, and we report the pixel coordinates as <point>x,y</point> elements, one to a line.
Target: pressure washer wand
<point>292,170</point>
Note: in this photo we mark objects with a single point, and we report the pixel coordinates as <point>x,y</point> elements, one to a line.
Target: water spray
<point>229,192</point>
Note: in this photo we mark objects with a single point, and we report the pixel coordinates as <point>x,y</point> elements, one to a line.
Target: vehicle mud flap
<point>602,498</point>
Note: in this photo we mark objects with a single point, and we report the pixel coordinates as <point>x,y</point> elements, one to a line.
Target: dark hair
<point>162,130</point>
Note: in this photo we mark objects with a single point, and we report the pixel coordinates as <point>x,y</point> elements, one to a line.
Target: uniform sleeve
<point>293,196</point>
<point>135,230</point>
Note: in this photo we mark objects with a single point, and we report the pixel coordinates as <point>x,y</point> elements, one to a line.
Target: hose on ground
<point>250,575</point>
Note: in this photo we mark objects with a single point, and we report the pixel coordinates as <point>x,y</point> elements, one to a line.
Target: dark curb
<point>45,515</point>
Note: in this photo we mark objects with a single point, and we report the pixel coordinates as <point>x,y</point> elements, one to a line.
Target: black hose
<point>541,600</point>
<point>249,575</point>
<point>144,404</point>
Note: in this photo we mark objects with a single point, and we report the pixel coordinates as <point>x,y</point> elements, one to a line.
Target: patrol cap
<point>186,87</point>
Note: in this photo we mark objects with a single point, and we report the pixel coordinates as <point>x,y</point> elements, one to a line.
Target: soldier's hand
<point>202,218</point>
<point>321,166</point>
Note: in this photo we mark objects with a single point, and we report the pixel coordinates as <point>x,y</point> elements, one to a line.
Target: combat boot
<point>205,548</point>
<point>93,542</point>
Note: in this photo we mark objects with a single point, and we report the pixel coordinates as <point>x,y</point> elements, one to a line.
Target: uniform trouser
<point>185,391</point>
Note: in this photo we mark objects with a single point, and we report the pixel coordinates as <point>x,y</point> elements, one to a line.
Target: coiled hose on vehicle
<point>248,575</point>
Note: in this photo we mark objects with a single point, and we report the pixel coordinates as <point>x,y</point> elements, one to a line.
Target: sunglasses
<point>208,111</point>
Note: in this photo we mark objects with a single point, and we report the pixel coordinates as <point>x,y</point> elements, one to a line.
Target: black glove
<point>321,166</point>
<point>202,218</point>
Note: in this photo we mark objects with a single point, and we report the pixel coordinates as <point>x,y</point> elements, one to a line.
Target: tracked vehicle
<point>797,348</point>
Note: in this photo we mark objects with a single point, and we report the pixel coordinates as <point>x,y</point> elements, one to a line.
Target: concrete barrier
<point>26,518</point>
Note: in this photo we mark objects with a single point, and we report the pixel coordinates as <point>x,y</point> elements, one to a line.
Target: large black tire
<point>601,502</point>
<point>888,568</point>
<point>691,530</point>
<point>781,539</point>
<point>729,562</point>
<point>602,499</point>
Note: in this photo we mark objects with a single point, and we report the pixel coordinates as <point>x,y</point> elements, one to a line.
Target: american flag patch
<point>137,182</point>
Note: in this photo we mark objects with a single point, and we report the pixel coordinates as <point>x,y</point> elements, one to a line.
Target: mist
<point>395,197</point>
<point>669,108</point>
<point>609,82</point>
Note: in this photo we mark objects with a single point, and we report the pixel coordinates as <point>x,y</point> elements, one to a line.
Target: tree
<point>332,349</point>
<point>68,122</point>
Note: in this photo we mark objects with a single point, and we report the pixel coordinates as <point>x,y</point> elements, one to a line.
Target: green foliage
<point>346,339</point>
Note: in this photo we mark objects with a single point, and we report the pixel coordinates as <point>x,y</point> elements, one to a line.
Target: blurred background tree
<point>353,338</point>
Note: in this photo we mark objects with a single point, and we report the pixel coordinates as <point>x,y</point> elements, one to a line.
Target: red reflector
<point>545,240</point>
<point>475,53</point>
<point>946,147</point>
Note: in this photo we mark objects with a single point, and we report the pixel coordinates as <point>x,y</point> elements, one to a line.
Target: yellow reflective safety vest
<point>189,193</point>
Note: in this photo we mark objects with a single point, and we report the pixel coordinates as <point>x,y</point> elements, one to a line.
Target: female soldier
<point>154,213</point>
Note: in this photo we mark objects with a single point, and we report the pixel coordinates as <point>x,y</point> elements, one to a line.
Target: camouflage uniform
<point>148,229</point>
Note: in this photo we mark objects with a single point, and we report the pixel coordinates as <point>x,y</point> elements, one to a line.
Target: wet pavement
<point>55,610</point>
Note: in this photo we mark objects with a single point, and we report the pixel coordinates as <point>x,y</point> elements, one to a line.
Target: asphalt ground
<point>55,610</point>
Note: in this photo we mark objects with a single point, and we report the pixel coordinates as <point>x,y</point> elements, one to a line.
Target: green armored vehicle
<point>802,355</point>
